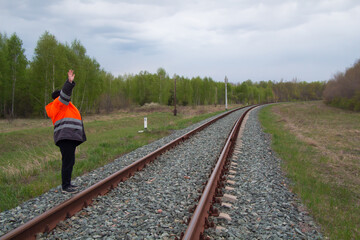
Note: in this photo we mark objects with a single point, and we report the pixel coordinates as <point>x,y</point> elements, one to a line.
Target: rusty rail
<point>199,220</point>
<point>49,219</point>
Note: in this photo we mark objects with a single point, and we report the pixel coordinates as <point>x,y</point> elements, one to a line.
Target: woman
<point>68,129</point>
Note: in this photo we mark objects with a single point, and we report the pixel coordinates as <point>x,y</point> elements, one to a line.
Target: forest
<point>343,90</point>
<point>26,84</point>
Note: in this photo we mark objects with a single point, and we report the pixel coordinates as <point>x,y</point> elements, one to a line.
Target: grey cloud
<point>27,10</point>
<point>260,40</point>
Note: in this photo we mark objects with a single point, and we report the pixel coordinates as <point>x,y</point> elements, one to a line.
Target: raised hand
<point>71,75</point>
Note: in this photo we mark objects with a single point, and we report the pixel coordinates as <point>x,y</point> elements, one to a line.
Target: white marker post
<point>145,123</point>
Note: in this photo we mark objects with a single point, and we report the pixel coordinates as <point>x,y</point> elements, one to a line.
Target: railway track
<point>153,203</point>
<point>212,191</point>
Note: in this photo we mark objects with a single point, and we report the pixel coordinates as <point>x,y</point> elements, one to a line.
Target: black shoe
<point>74,186</point>
<point>69,190</point>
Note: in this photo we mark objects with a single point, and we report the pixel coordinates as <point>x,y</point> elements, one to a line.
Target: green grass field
<point>30,163</point>
<point>320,147</point>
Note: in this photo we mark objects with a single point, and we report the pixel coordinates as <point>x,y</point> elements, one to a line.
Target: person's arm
<point>65,93</point>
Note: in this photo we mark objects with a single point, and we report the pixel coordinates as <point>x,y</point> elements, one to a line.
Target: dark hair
<point>55,94</point>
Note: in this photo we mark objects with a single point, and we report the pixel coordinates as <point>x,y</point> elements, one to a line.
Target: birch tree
<point>17,65</point>
<point>3,74</point>
<point>44,67</point>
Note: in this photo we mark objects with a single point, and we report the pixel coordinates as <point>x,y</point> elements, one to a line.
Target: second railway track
<point>154,203</point>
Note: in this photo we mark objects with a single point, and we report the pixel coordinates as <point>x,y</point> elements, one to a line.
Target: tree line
<point>26,85</point>
<point>343,90</point>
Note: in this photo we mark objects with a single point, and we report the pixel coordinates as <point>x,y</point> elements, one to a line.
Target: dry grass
<point>335,135</point>
<point>20,124</point>
<point>34,162</point>
<point>319,146</point>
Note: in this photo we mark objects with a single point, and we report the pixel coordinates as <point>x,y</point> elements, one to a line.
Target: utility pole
<point>226,80</point>
<point>175,96</point>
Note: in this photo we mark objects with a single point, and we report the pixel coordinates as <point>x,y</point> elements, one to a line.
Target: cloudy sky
<point>310,40</point>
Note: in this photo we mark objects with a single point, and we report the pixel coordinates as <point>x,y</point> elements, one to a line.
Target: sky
<point>310,40</point>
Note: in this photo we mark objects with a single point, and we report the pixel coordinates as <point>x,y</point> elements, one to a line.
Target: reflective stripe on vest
<point>68,126</point>
<point>68,123</point>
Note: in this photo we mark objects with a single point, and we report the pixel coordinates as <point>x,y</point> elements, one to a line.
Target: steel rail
<point>49,219</point>
<point>200,216</point>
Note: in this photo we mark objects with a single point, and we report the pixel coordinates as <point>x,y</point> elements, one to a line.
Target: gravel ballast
<point>145,206</point>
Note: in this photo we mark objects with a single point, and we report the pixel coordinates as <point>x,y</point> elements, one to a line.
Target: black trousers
<point>67,148</point>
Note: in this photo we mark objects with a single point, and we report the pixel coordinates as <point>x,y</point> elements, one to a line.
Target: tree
<point>44,67</point>
<point>161,73</point>
<point>343,90</point>
<point>196,85</point>
<point>17,64</point>
<point>79,62</point>
<point>4,70</point>
<point>184,91</point>
<point>99,90</point>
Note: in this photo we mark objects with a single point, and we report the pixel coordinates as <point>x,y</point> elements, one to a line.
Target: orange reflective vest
<point>66,117</point>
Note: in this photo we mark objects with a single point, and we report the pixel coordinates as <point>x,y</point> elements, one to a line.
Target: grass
<point>30,163</point>
<point>319,146</point>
